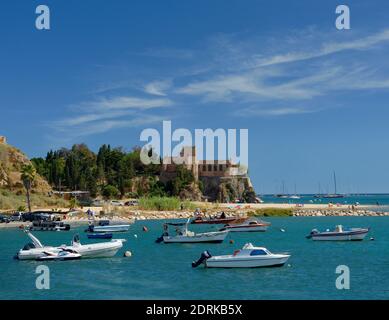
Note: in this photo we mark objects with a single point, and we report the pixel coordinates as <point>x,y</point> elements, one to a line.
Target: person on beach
<point>91,214</point>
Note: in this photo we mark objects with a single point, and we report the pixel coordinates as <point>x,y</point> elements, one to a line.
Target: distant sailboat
<point>282,195</point>
<point>295,195</point>
<point>331,195</point>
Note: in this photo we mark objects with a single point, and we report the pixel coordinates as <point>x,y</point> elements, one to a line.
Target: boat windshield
<point>258,252</point>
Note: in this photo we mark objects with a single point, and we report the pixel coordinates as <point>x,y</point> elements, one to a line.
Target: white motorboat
<point>106,227</point>
<point>62,255</point>
<point>183,235</point>
<point>339,234</point>
<point>248,257</point>
<point>36,249</point>
<point>251,225</point>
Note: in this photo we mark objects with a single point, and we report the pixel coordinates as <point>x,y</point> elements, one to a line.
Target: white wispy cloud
<point>326,49</point>
<point>274,112</point>
<point>105,114</point>
<point>288,77</point>
<point>158,88</point>
<point>123,102</point>
<point>302,74</point>
<point>108,125</point>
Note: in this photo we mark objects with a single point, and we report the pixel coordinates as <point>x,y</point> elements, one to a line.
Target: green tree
<point>183,179</point>
<point>110,192</point>
<point>28,174</point>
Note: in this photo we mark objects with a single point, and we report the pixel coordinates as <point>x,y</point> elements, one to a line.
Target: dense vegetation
<point>111,172</point>
<point>164,203</point>
<point>272,212</point>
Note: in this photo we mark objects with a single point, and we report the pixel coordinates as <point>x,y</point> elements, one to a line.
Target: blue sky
<point>315,99</point>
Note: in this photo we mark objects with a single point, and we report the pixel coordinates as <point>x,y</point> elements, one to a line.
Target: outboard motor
<point>160,239</point>
<point>204,256</point>
<point>90,228</point>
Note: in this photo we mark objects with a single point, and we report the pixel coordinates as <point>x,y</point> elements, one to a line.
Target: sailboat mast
<point>335,183</point>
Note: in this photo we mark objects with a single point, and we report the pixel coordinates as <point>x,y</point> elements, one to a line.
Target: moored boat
<point>99,235</point>
<point>248,257</point>
<point>339,234</point>
<point>105,226</point>
<point>183,235</point>
<point>42,225</point>
<point>218,219</point>
<point>36,249</point>
<point>250,225</point>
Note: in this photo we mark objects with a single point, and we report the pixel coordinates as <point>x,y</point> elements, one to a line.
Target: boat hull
<point>99,236</point>
<point>243,262</point>
<point>99,250</point>
<point>96,250</point>
<point>261,228</point>
<point>49,229</point>
<point>34,254</point>
<point>214,221</point>
<point>211,237</point>
<point>345,236</point>
<point>59,258</point>
<point>111,228</point>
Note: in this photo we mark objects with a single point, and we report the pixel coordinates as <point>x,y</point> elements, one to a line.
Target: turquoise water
<point>380,201</point>
<point>160,271</point>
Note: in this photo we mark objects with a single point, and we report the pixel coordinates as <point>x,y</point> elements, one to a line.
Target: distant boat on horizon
<point>335,195</point>
<point>282,195</point>
<point>295,195</point>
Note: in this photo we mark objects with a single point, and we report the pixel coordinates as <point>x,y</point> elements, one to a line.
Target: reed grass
<point>165,204</point>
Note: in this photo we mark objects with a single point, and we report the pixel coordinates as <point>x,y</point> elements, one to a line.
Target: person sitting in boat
<point>165,230</point>
<point>179,231</point>
<point>222,215</point>
<point>197,214</point>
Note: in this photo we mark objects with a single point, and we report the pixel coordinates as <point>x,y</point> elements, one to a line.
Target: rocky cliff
<point>228,189</point>
<point>11,163</point>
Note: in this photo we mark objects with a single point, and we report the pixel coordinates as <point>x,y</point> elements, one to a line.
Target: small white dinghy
<point>339,234</point>
<point>183,235</point>
<point>248,257</point>
<point>251,225</point>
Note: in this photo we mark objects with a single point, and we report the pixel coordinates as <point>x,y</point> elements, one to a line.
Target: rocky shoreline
<point>337,213</point>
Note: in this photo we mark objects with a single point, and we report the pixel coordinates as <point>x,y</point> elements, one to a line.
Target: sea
<point>379,202</point>
<point>164,271</point>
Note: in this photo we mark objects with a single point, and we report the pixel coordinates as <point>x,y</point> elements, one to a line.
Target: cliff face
<point>228,189</point>
<point>11,162</point>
